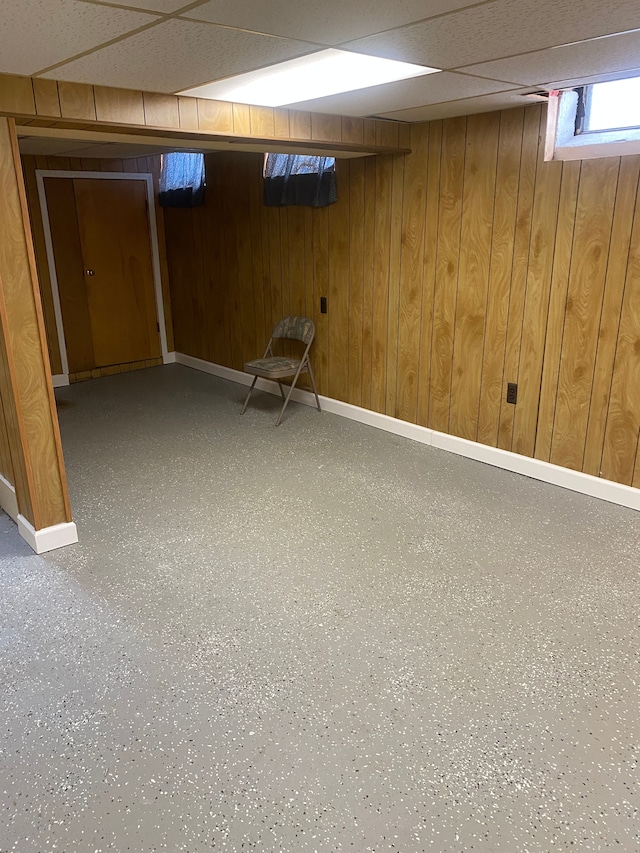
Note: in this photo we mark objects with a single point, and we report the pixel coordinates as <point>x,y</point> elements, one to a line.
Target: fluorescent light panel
<point>328,72</point>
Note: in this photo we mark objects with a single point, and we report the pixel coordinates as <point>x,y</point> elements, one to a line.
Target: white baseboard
<point>169,358</point>
<point>8,500</point>
<point>60,380</point>
<point>48,538</point>
<point>576,481</point>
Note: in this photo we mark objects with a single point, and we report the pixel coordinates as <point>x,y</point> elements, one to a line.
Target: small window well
<point>299,179</point>
<point>598,120</point>
<point>182,180</point>
<point>614,105</point>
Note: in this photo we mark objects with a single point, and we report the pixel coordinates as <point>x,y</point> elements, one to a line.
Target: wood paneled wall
<point>81,106</point>
<point>30,449</point>
<point>449,272</point>
<point>137,165</point>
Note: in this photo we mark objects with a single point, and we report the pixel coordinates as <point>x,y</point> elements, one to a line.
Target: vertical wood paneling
<point>411,273</point>
<point>370,166</point>
<point>188,113</point>
<point>592,235</point>
<point>118,105</point>
<point>501,263</point>
<point>281,122</point>
<point>352,129</point>
<point>257,278</point>
<point>380,314</point>
<point>611,308</point>
<point>215,115</point>
<point>447,266</point>
<point>246,302</point>
<point>161,110</point>
<point>77,101</point>
<point>473,275</point>
<point>46,97</point>
<point>300,124</point>
<point>326,127</point>
<point>339,290</point>
<point>42,263</point>
<point>241,118</point>
<point>528,166</point>
<point>623,418</point>
<point>534,325</point>
<point>429,272</point>
<point>25,379</point>
<point>557,305</point>
<point>449,272</point>
<point>356,275</point>
<point>262,121</point>
<point>395,241</point>
<point>320,249</point>
<point>16,95</point>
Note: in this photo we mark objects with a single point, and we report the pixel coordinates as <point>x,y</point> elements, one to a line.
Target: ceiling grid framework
<point>492,53</point>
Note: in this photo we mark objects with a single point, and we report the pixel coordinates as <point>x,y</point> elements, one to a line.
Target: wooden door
<point>100,235</point>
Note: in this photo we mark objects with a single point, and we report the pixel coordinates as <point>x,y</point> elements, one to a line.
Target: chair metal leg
<point>313,385</point>
<point>284,405</point>
<point>281,391</point>
<point>244,408</point>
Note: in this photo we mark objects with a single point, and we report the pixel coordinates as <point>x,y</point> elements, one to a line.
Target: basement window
<point>598,120</point>
<point>614,105</point>
<point>301,180</point>
<point>182,179</point>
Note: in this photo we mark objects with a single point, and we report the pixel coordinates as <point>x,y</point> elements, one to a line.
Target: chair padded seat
<point>277,365</point>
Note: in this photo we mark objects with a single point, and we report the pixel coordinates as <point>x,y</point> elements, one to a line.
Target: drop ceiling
<point>493,53</point>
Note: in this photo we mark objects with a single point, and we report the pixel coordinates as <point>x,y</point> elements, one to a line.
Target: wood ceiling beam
<point>82,106</point>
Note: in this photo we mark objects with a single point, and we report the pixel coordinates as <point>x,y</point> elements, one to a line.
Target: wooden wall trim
<point>25,374</point>
<point>79,106</point>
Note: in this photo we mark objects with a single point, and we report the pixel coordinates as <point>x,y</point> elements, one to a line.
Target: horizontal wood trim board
<point>82,106</point>
<point>575,481</point>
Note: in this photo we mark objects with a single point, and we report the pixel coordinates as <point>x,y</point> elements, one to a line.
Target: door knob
<point>89,272</point>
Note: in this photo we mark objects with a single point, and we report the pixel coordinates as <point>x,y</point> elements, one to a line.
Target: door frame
<point>147,177</point>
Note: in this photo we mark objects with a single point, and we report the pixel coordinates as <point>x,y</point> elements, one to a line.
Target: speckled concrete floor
<point>321,637</point>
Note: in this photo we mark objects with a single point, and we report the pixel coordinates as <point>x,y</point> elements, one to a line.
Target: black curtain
<point>299,180</point>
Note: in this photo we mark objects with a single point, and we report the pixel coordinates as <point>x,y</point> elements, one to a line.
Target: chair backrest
<point>296,329</point>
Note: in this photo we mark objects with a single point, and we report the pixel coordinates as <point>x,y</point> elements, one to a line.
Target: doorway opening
<point>101,242</point>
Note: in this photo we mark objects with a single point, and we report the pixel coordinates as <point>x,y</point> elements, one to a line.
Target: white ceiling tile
<point>594,57</point>
<point>500,29</point>
<point>584,80</point>
<point>321,21</point>
<point>32,37</point>
<point>404,94</point>
<point>116,151</point>
<point>177,55</point>
<point>43,145</point>
<point>466,106</point>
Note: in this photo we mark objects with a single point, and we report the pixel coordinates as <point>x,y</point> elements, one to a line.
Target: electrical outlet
<point>512,392</point>
<point>323,304</point>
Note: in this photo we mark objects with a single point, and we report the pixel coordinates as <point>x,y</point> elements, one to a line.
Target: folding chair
<point>278,367</point>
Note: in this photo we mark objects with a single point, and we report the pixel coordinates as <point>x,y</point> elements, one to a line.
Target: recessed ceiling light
<point>327,72</point>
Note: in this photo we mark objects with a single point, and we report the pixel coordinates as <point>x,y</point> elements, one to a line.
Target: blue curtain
<point>182,180</point>
<point>299,179</point>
